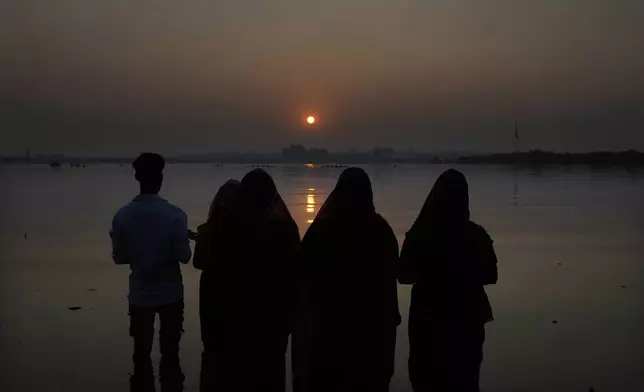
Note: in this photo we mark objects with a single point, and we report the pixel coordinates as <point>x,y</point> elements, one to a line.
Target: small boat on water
<point>334,166</point>
<point>54,164</point>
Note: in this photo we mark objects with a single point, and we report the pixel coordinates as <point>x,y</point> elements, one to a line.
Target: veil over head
<point>447,203</point>
<point>351,196</point>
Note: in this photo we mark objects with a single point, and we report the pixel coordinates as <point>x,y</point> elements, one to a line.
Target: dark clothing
<point>448,270</point>
<point>449,259</point>
<point>247,296</point>
<point>349,258</point>
<point>208,333</point>
<point>445,356</point>
<point>142,330</point>
<point>448,203</point>
<point>222,205</point>
<point>207,301</point>
<point>449,306</point>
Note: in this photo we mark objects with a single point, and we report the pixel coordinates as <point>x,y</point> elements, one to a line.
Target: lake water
<point>570,243</point>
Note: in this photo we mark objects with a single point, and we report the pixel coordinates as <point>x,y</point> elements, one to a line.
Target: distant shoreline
<point>540,158</point>
<point>531,158</point>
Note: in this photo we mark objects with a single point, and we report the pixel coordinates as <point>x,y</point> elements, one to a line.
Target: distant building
<point>299,153</point>
<point>383,153</point>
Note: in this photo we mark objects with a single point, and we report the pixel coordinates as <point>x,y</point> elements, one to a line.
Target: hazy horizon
<point>89,77</point>
<point>277,152</point>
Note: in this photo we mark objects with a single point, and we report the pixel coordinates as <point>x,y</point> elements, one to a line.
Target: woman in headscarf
<point>254,257</point>
<point>449,259</point>
<point>349,255</point>
<point>221,209</point>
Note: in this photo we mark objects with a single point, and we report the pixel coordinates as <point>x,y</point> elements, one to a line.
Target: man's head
<point>148,171</point>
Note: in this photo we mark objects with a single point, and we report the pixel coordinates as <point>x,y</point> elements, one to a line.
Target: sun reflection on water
<point>310,204</point>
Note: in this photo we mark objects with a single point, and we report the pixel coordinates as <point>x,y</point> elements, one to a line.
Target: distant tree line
<point>297,153</point>
<point>539,157</point>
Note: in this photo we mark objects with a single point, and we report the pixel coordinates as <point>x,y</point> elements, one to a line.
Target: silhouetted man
<point>151,235</point>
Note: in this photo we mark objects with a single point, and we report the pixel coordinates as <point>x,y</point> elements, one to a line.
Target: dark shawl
<point>351,198</point>
<point>349,255</point>
<point>261,242</point>
<point>253,288</point>
<point>221,207</point>
<point>349,244</point>
<point>253,252</point>
<point>448,257</point>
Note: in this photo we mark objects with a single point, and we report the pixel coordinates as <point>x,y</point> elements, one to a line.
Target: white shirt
<point>151,235</point>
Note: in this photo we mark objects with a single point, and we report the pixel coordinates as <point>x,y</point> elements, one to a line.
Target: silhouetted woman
<point>449,259</point>
<point>349,255</point>
<point>222,208</point>
<point>254,286</point>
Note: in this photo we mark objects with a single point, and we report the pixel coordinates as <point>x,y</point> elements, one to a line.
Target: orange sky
<point>90,76</point>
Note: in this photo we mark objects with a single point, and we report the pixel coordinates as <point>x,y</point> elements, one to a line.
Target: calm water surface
<point>570,243</point>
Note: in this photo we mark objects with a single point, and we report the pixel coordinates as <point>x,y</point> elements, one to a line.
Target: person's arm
<point>203,244</point>
<point>118,243</point>
<point>180,239</point>
<point>390,248</point>
<point>407,267</point>
<point>392,267</point>
<point>489,270</point>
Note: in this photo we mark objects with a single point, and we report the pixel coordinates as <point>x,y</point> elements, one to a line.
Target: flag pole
<point>515,190</point>
<point>516,137</point>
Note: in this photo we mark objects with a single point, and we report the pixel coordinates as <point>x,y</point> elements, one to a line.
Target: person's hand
<point>193,235</point>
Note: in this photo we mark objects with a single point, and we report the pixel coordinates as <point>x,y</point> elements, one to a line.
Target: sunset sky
<point>121,76</point>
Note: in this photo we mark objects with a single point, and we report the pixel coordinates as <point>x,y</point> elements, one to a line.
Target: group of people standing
<point>334,292</point>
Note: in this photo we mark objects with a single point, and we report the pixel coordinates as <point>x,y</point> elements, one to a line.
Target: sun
<point>310,120</point>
